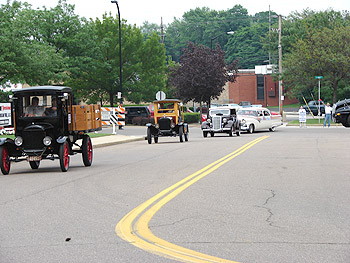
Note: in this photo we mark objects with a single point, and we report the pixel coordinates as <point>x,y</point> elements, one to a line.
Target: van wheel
<point>205,134</point>
<point>212,134</point>
<point>86,150</point>
<point>149,135</point>
<point>238,133</point>
<point>34,164</point>
<point>155,139</point>
<point>230,133</point>
<point>5,163</point>
<point>64,156</point>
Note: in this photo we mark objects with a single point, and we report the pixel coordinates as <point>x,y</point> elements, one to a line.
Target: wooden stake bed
<point>86,118</point>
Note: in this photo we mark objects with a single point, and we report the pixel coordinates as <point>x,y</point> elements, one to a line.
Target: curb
<point>111,142</point>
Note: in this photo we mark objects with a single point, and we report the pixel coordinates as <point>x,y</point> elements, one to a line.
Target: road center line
<point>134,228</point>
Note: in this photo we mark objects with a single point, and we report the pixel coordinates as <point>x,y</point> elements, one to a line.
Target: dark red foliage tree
<point>202,73</point>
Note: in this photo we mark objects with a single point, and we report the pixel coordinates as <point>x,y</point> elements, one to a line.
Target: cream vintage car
<point>258,118</point>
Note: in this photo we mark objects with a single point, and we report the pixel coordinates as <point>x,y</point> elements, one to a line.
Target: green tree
<point>324,53</point>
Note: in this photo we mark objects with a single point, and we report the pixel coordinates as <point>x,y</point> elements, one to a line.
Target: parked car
<point>221,120</point>
<point>255,119</point>
<point>169,121</point>
<point>136,111</point>
<point>341,112</point>
<point>151,109</point>
<point>313,106</point>
<point>47,126</point>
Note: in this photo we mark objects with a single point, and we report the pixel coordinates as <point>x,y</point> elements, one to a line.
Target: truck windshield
<point>219,112</point>
<point>38,106</point>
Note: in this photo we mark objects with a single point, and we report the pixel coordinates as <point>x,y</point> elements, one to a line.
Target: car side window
<point>266,113</point>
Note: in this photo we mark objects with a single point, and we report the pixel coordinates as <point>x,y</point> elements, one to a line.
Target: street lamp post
<point>213,38</point>
<point>120,54</point>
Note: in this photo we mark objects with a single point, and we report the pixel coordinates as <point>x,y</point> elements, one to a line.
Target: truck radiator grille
<point>33,140</point>
<point>216,122</point>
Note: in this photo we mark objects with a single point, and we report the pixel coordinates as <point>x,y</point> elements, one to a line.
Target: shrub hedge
<point>191,117</point>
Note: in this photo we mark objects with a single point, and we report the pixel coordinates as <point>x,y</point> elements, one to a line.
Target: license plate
<point>33,158</point>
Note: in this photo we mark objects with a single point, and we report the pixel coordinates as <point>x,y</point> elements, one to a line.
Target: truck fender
<point>149,124</point>
<point>3,141</point>
<point>61,139</point>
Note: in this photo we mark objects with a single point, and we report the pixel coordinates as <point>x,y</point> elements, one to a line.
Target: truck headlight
<point>243,121</point>
<point>18,141</point>
<point>47,140</point>
<point>172,125</point>
<point>224,120</point>
<point>157,126</point>
<point>209,120</point>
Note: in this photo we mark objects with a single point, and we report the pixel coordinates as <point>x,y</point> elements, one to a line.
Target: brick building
<point>254,85</point>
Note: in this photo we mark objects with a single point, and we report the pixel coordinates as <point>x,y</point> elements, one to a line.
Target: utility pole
<point>162,30</point>
<point>280,100</point>
<point>269,34</point>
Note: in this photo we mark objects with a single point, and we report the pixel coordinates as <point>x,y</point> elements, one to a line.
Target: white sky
<point>137,11</point>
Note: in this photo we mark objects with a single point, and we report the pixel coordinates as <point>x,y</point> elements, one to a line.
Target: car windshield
<point>219,112</point>
<point>37,106</point>
<point>248,112</point>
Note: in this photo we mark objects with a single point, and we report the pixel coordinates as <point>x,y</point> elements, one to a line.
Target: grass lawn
<point>91,134</point>
<point>296,105</point>
<point>312,122</point>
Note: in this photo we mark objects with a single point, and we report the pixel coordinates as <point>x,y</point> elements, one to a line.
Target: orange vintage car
<point>169,121</point>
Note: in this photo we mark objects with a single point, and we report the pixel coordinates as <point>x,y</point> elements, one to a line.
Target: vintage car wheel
<point>238,133</point>
<point>155,139</point>
<point>87,151</point>
<point>5,163</point>
<point>181,133</point>
<point>205,134</point>
<point>64,156</point>
<point>272,129</point>
<point>149,135</point>
<point>186,135</point>
<point>230,133</point>
<point>212,134</point>
<point>34,164</point>
<point>251,128</point>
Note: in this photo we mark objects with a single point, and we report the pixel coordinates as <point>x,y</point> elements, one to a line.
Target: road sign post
<point>319,97</point>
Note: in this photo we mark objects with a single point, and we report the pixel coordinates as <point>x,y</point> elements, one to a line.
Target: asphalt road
<point>281,198</point>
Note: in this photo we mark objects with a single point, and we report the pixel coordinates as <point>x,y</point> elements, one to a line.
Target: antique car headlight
<point>157,126</point>
<point>243,121</point>
<point>172,125</point>
<point>209,120</point>
<point>18,141</point>
<point>47,140</point>
<point>224,120</point>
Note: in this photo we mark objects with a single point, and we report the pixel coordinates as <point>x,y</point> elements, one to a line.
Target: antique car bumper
<point>216,130</point>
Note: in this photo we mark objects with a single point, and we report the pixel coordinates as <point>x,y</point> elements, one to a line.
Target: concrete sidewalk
<point>114,139</point>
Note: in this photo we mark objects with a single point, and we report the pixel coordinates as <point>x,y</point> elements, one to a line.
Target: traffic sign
<point>319,77</point>
<point>160,95</point>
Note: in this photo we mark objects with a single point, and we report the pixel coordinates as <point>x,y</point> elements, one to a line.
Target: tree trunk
<point>111,97</point>
<point>335,89</point>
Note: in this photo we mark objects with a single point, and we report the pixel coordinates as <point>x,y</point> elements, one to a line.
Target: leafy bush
<point>191,117</point>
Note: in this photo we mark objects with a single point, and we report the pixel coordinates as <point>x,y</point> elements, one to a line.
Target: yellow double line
<point>134,229</point>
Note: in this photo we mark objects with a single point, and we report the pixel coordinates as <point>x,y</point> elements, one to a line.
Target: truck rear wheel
<point>87,151</point>
<point>64,156</point>
<point>5,163</point>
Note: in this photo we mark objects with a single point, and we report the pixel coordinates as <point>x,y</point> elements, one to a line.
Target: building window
<point>260,87</point>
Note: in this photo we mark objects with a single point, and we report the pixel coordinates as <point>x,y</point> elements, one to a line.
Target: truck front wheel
<point>64,156</point>
<point>87,151</point>
<point>5,163</point>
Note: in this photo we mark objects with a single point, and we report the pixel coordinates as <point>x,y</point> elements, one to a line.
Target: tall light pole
<point>280,104</point>
<point>213,38</point>
<point>120,54</point>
